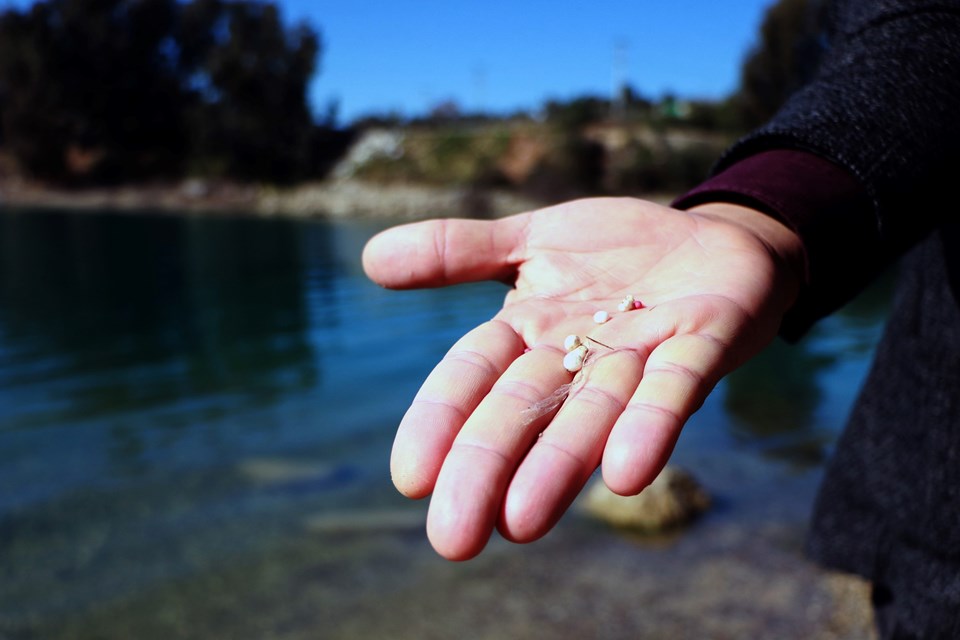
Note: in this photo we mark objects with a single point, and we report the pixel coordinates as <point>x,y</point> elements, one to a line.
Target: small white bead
<point>571,342</point>
<point>623,306</point>
<point>600,317</point>
<point>573,361</point>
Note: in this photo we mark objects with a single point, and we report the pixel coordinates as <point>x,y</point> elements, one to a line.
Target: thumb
<point>437,253</point>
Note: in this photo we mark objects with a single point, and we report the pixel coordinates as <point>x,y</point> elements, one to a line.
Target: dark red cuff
<point>824,204</point>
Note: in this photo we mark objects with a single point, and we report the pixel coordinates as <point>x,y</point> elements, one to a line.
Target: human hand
<point>715,282</point>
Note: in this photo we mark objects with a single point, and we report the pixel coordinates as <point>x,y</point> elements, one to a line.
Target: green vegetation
<point>575,150</point>
<point>452,154</point>
<point>113,91</point>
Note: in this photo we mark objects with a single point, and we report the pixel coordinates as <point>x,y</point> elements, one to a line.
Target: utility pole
<point>618,77</point>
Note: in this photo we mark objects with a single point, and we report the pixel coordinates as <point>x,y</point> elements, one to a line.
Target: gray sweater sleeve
<point>885,106</point>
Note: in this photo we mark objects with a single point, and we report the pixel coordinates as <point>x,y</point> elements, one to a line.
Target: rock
<point>351,198</point>
<point>373,144</point>
<point>271,471</point>
<point>195,188</point>
<point>673,499</point>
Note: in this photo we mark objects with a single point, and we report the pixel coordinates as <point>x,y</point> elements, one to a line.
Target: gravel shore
<point>737,572</point>
<point>332,199</point>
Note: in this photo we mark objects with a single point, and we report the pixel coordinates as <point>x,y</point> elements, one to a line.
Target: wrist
<point>782,242</point>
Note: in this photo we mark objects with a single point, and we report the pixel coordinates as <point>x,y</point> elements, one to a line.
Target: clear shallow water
<point>183,396</point>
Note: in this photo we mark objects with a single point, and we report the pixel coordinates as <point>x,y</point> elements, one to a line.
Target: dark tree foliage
<point>253,112</point>
<point>578,112</point>
<point>91,77</point>
<point>786,58</point>
<point>107,90</point>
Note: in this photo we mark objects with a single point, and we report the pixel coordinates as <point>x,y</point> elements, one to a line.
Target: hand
<point>715,283</point>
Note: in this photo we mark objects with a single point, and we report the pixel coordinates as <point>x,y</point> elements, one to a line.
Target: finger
<point>677,377</point>
<point>437,253</point>
<point>474,477</point>
<point>562,460</point>
<point>449,394</point>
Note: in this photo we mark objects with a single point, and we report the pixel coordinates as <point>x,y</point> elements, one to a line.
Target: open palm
<point>713,289</point>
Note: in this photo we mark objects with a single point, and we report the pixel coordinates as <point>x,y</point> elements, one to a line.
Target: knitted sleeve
<point>884,107</point>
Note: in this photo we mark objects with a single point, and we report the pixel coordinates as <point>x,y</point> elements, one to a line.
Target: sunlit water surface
<point>195,409</point>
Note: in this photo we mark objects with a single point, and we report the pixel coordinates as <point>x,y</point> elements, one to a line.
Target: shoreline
<point>332,199</point>
<point>738,571</point>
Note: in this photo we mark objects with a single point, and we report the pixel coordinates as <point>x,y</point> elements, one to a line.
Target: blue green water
<point>180,397</point>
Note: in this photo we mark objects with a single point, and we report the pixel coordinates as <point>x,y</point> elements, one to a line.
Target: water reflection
<point>143,361</point>
<point>184,396</point>
<point>110,313</point>
<point>776,401</point>
<point>773,401</point>
<point>133,345</point>
<point>178,392</point>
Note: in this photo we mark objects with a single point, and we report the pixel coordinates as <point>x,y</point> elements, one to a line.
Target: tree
<point>91,77</point>
<point>785,59</point>
<point>578,112</point>
<point>106,90</point>
<point>253,114</point>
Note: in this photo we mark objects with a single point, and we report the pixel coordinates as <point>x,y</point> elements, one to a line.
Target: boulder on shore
<point>673,499</point>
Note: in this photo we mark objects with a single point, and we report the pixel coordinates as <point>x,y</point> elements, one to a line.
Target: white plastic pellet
<point>571,342</point>
<point>600,317</point>
<point>573,361</point>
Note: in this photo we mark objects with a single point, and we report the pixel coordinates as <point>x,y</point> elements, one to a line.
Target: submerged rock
<point>292,476</point>
<point>672,500</point>
<point>281,470</point>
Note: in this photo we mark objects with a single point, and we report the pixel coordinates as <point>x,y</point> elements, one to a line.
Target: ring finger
<point>561,461</point>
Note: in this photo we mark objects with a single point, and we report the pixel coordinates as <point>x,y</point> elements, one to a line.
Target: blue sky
<point>501,55</point>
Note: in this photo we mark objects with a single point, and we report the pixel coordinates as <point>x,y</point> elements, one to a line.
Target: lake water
<point>196,415</point>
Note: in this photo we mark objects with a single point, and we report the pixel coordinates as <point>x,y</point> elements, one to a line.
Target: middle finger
<point>474,477</point>
<point>560,463</point>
